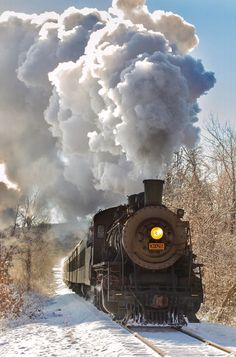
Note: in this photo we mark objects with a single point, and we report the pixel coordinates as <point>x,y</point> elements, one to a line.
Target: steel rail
<point>146,341</point>
<point>208,342</point>
<point>193,335</point>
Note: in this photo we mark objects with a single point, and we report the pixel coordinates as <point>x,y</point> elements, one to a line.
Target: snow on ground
<point>223,335</point>
<point>71,326</point>
<point>177,344</point>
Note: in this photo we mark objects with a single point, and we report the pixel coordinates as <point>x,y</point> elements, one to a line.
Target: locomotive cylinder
<point>153,190</point>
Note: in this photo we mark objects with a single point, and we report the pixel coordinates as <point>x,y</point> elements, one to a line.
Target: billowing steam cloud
<point>92,102</point>
<point>8,201</point>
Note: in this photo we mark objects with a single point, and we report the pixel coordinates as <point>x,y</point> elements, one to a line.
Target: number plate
<point>156,246</point>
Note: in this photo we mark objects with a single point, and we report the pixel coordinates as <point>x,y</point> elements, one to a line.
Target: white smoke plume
<point>180,34</point>
<point>8,199</point>
<point>92,102</point>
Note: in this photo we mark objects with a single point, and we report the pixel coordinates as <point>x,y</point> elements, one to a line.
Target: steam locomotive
<point>137,262</point>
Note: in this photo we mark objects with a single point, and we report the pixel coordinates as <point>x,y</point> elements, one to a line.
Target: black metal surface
<point>153,190</point>
<point>125,289</point>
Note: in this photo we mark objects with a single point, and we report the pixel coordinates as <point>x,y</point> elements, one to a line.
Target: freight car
<point>137,262</point>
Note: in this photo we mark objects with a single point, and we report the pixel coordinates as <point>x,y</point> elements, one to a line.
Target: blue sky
<point>216,27</point>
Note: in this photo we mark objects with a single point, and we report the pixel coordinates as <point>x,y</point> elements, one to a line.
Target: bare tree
<point>197,183</point>
<point>32,211</point>
<point>222,141</point>
<point>32,217</point>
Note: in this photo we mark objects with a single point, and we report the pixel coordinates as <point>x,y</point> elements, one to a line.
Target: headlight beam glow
<point>157,233</point>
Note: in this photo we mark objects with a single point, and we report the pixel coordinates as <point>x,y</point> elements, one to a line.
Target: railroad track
<point>166,342</point>
<point>208,342</point>
<point>145,341</point>
<point>179,347</point>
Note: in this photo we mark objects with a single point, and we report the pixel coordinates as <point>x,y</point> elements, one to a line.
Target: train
<point>137,262</point>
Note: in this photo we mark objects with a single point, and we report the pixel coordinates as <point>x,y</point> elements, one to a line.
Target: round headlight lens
<point>157,233</point>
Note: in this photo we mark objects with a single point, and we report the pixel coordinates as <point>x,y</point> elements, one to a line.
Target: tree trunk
<point>28,267</point>
<point>228,296</point>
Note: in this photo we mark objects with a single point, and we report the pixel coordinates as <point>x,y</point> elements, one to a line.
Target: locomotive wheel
<point>98,299</point>
<point>78,290</point>
<point>104,305</point>
<point>107,306</point>
<point>85,291</point>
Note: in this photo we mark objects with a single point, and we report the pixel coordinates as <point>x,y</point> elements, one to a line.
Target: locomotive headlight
<point>157,233</point>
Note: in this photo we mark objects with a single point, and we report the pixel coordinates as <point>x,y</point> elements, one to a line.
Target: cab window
<point>100,231</point>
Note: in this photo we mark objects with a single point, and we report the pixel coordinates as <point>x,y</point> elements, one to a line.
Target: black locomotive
<point>138,263</point>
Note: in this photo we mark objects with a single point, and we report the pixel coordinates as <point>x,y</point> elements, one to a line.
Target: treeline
<point>27,256</point>
<point>29,249</point>
<point>203,182</point>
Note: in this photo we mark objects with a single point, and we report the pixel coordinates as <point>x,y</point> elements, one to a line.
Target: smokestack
<point>153,192</point>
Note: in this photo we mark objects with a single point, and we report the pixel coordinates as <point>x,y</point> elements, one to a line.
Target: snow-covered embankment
<point>69,326</point>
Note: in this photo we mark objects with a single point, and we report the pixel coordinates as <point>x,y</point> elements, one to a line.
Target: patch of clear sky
<point>215,22</point>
